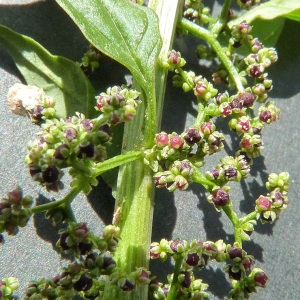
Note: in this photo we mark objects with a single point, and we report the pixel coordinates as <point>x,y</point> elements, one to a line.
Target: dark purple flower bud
<point>51,174</point>
<point>71,133</point>
<point>85,248</point>
<point>220,197</point>
<point>215,173</point>
<point>63,241</point>
<point>86,151</point>
<point>108,263</point>
<point>277,198</point>
<point>236,103</point>
<point>177,245</point>
<point>15,196</point>
<point>87,124</point>
<point>256,71</point>
<point>90,261</point>
<point>192,136</point>
<point>81,230</point>
<point>34,169</point>
<point>231,172</point>
<point>187,279</point>
<point>61,152</point>
<point>192,259</point>
<point>83,284</point>
<point>127,286</point>
<point>235,252</point>
<point>247,98</point>
<point>234,274</point>
<point>37,115</point>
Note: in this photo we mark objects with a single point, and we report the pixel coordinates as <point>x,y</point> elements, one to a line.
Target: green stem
<point>173,294</point>
<point>117,161</point>
<point>235,222</point>
<point>222,21</point>
<point>249,217</point>
<point>201,114</point>
<point>65,201</point>
<point>206,35</point>
<point>135,187</point>
<point>198,177</point>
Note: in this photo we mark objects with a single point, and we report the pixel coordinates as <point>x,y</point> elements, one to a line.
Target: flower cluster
<point>177,177</point>
<point>13,211</point>
<point>268,207</point>
<point>90,60</point>
<point>239,266</point>
<point>247,4</point>
<point>7,287</point>
<point>195,11</point>
<point>94,265</point>
<point>118,104</point>
<point>77,142</point>
<point>230,169</point>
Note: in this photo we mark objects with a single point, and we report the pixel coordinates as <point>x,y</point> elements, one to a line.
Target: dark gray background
<point>32,254</point>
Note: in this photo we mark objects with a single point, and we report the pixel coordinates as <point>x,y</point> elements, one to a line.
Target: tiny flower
<point>220,197</point>
<point>259,277</point>
<point>51,174</point>
<point>83,284</point>
<point>207,128</point>
<point>176,141</point>
<point>162,139</point>
<point>192,136</point>
<point>185,279</point>
<point>235,252</point>
<point>256,70</point>
<point>192,259</point>
<point>178,246</point>
<point>127,286</point>
<point>247,98</point>
<point>263,203</point>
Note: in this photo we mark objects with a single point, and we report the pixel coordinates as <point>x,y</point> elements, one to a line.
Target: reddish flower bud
<point>176,141</point>
<point>162,139</point>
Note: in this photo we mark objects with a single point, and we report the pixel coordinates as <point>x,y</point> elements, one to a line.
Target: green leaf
<point>125,31</point>
<point>60,78</point>
<point>271,10</point>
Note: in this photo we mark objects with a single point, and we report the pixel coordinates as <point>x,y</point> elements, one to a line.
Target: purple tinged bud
<point>15,196</point>
<point>127,286</point>
<point>235,252</point>
<point>234,274</point>
<point>187,279</point>
<point>192,259</point>
<point>256,71</point>
<point>51,174</point>
<point>263,203</point>
<point>87,124</point>
<point>231,172</point>
<point>192,136</point>
<point>71,133</point>
<point>247,98</point>
<point>61,152</point>
<point>220,197</point>
<point>83,284</point>
<point>177,245</point>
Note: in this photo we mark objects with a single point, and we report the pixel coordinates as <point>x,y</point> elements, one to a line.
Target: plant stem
<point>174,286</point>
<point>222,20</point>
<point>206,35</point>
<point>135,187</point>
<point>65,201</point>
<point>117,161</point>
<point>198,177</point>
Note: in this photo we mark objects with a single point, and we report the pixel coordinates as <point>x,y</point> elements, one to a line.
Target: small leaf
<point>125,31</point>
<point>271,10</point>
<point>60,78</point>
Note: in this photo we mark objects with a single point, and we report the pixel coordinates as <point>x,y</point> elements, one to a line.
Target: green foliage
<point>126,32</point>
<point>60,77</point>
